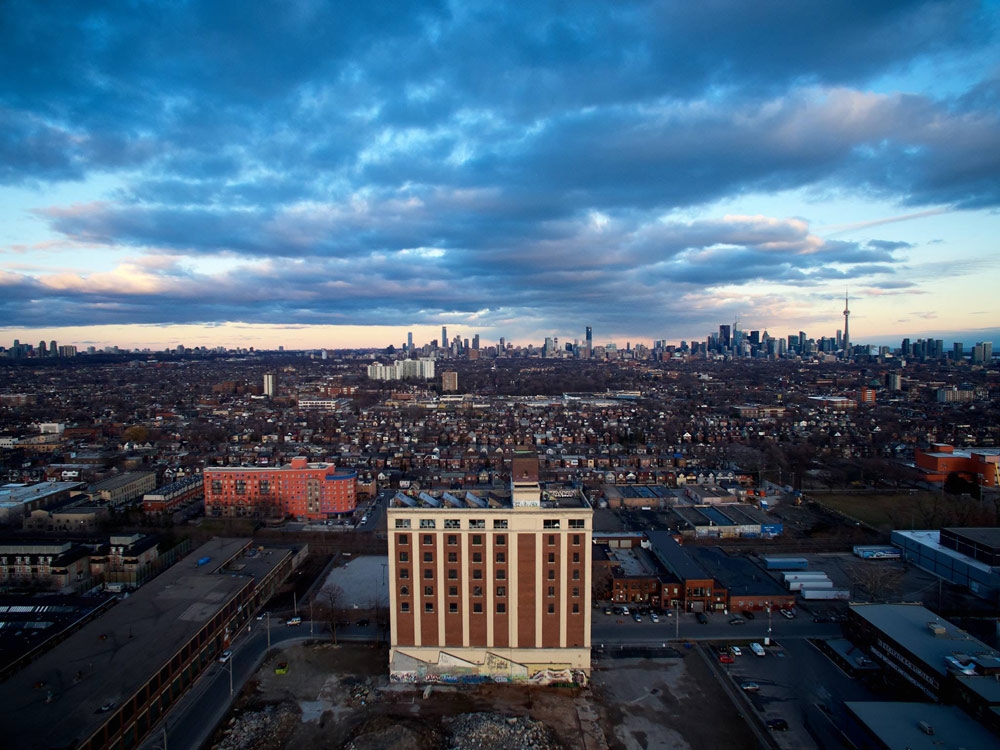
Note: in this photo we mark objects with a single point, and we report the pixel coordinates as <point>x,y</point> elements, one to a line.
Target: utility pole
<point>230,675</point>
<point>268,615</point>
<point>767,640</point>
<point>677,620</point>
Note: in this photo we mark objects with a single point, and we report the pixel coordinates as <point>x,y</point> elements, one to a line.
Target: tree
<point>878,580</point>
<point>328,607</point>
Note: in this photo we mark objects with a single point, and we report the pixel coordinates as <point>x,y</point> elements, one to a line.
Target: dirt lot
<point>339,697</point>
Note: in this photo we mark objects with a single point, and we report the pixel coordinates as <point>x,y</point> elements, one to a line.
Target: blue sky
<point>307,174</point>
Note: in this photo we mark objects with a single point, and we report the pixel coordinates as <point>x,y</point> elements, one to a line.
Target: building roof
<point>897,725</point>
<point>738,575</point>
<point>19,494</point>
<point>932,539</point>
<point>110,658</point>
<point>910,625</point>
<point>987,536</point>
<point>675,558</point>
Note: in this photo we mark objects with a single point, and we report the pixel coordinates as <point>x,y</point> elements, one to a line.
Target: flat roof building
<point>140,656</point>
<point>304,490</point>
<point>490,587</point>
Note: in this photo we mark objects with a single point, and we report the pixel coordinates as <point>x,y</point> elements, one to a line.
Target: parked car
<point>281,668</point>
<point>225,656</point>
<point>637,617</point>
<point>747,614</point>
<point>653,617</point>
<point>750,687</point>
<point>726,658</point>
<point>625,610</point>
<point>701,617</point>
<point>607,610</point>
<point>293,621</point>
<point>735,651</point>
<point>737,621</point>
<point>787,613</point>
<point>777,725</point>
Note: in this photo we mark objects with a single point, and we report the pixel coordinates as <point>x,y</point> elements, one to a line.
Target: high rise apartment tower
<point>492,589</point>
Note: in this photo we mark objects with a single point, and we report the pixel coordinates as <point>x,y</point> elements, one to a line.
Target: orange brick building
<point>488,589</point>
<point>979,465</point>
<point>309,491</point>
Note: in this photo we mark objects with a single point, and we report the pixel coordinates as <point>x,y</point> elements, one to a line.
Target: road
<point>193,719</point>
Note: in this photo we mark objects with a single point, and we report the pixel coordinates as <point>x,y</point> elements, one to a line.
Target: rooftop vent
<point>937,629</point>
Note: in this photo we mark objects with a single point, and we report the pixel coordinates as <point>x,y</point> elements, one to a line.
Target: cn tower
<point>847,329</point>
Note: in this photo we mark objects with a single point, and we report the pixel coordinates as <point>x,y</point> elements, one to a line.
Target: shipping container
<point>802,585</point>
<point>807,575</point>
<point>825,594</point>
<point>876,552</point>
<point>785,563</point>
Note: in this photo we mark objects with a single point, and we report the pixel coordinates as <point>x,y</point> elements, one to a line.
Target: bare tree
<point>878,580</point>
<point>328,607</point>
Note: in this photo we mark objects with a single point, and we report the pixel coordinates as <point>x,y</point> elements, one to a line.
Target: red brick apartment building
<point>308,491</point>
<point>489,587</point>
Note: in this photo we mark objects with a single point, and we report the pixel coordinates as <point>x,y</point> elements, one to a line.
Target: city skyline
<point>316,177</point>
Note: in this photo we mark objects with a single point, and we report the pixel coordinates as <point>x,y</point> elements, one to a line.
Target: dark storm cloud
<point>431,154</point>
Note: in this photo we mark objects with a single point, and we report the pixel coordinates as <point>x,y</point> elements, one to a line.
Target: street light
<point>767,639</point>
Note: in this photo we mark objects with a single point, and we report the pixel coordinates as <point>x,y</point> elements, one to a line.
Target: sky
<point>316,174</point>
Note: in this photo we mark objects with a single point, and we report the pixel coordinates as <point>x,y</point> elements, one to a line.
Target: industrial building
<point>491,587</point>
<point>967,557</point>
<point>929,657</point>
<point>978,465</point>
<point>110,682</point>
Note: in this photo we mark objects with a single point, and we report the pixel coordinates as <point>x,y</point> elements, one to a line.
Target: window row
<point>450,523</point>
<point>477,608</point>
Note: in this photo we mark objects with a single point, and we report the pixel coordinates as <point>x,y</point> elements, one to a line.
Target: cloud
<point>300,162</point>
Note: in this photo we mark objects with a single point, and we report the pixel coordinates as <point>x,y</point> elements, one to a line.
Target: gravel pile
<point>483,731</point>
<point>258,729</point>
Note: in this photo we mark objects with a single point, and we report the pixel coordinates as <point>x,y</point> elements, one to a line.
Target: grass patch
<point>893,511</point>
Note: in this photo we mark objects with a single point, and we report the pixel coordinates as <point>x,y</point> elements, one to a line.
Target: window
<point>452,607</point>
<point>403,539</point>
<point>428,557</point>
<point>576,540</point>
<point>477,557</point>
<point>552,591</point>
<point>216,487</point>
<point>453,557</point>
<point>477,523</point>
<point>576,591</point>
<point>576,557</point>
<point>552,540</point>
<point>452,540</point>
<point>453,591</point>
<point>500,539</point>
<point>452,523</point>
<point>428,591</point>
<point>477,540</point>
<point>499,523</point>
<point>477,574</point>
<point>552,557</point>
<point>576,575</point>
<point>552,575</point>
<point>427,523</point>
<point>501,608</point>
<point>404,573</point>
<point>577,523</point>
<point>576,608</point>
<point>477,590</point>
<point>452,574</point>
<point>550,523</point>
<point>404,590</point>
<point>552,609</point>
<point>428,572</point>
<point>428,539</point>
<point>501,575</point>
<point>477,607</point>
<point>501,557</point>
<point>402,523</point>
<point>404,556</point>
<point>501,591</point>
<point>404,606</point>
<point>429,607</point>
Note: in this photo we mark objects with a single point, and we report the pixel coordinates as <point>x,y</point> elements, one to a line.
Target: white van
<point>757,649</point>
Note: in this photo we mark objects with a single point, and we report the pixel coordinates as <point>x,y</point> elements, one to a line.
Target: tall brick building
<point>310,491</point>
<point>491,587</point>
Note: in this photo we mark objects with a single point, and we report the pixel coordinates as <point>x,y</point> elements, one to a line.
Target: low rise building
<point>123,489</point>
